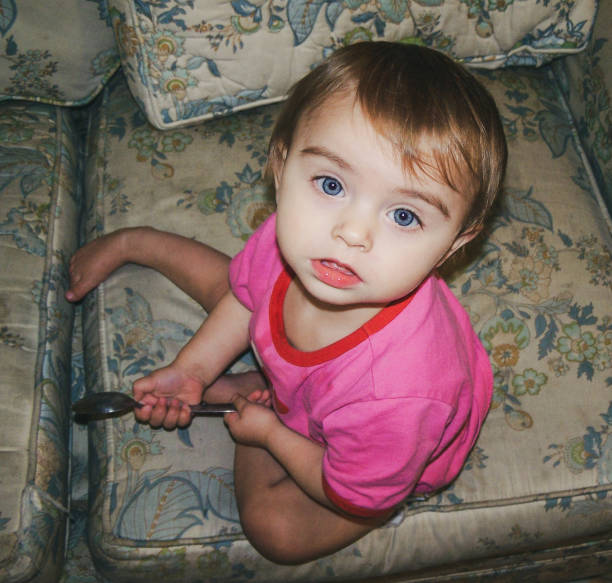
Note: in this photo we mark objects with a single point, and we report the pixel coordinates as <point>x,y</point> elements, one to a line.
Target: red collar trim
<point>300,358</point>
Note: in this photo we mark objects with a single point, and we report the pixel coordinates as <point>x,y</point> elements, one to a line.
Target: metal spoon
<point>114,402</point>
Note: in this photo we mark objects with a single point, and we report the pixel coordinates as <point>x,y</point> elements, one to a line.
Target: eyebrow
<point>430,199</point>
<point>325,153</point>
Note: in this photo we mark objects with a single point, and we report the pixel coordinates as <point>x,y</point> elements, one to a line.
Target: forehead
<point>342,121</point>
<point>341,117</point>
<point>340,127</point>
<point>417,154</point>
<point>340,134</point>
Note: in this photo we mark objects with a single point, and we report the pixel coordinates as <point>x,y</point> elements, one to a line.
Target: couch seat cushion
<point>537,287</point>
<point>39,210</point>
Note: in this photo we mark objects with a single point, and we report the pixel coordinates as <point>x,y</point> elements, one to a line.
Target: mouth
<point>335,274</point>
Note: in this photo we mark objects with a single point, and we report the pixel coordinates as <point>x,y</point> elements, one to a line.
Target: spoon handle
<point>212,408</point>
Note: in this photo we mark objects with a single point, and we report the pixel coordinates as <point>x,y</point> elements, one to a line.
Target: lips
<point>334,273</point>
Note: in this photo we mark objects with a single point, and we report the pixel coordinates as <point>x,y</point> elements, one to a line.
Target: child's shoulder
<point>440,312</point>
<point>253,271</point>
<point>265,232</point>
<point>432,345</point>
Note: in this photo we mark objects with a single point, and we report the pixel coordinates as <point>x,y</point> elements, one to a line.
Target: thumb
<point>143,386</point>
<point>239,402</point>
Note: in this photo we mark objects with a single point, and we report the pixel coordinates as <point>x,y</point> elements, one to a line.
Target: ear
<point>462,239</point>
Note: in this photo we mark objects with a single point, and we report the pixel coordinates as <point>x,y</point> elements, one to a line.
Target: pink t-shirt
<point>397,404</point>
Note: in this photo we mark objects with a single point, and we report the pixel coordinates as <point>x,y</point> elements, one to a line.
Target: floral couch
<point>141,112</point>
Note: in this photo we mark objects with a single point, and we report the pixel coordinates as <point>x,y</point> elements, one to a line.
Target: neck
<point>311,324</point>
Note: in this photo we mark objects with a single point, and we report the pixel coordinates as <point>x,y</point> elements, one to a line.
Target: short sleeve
<point>376,451</point>
<point>248,269</point>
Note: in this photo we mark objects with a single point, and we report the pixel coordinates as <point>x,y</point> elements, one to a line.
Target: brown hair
<point>440,118</point>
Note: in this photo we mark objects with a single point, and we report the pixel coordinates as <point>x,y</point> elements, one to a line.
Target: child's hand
<point>166,395</point>
<point>254,420</point>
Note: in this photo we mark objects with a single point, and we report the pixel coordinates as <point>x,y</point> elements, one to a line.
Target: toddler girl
<point>386,160</point>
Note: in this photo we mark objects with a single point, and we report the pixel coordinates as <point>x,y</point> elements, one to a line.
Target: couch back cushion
<point>189,61</point>
<point>59,52</point>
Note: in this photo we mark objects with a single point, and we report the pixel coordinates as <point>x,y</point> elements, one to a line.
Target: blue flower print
<point>139,340</point>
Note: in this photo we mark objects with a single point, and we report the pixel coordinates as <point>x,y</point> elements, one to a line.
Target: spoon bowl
<point>116,403</point>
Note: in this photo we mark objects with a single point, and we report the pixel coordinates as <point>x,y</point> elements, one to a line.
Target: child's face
<point>355,228</point>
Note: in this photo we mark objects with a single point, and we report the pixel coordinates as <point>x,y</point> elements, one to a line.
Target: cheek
<point>299,214</point>
<point>409,261</point>
<point>290,230</point>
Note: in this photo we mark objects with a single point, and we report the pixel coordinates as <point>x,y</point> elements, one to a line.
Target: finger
<point>230,418</point>
<point>143,414</point>
<point>239,402</point>
<point>143,386</point>
<point>232,422</point>
<point>172,415</point>
<point>147,402</point>
<point>148,399</point>
<point>185,416</point>
<point>158,413</point>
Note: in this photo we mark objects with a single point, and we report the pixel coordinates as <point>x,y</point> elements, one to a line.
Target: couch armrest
<point>587,80</point>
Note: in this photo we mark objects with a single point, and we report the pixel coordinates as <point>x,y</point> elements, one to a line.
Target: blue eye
<point>329,185</point>
<point>405,218</point>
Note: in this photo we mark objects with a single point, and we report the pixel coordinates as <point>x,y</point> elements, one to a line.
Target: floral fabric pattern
<point>68,71</point>
<point>537,287</point>
<point>587,82</point>
<point>39,209</point>
<point>187,61</point>
<point>535,494</point>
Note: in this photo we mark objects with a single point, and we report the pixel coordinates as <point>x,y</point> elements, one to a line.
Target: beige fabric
<point>186,63</point>
<point>38,217</point>
<point>59,52</point>
<point>538,291</point>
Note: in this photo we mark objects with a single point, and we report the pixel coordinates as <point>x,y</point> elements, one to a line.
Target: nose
<point>354,230</point>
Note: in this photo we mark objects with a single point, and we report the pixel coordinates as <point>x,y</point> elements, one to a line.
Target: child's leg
<point>196,268</point>
<point>283,523</point>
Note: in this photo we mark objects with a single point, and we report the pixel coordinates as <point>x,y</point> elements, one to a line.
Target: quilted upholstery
<point>533,501</point>
<point>537,288</point>
<point>188,62</point>
<point>39,210</point>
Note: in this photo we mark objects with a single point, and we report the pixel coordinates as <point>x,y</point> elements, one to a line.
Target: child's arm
<point>302,458</point>
<point>167,392</point>
<point>199,270</point>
